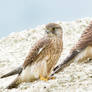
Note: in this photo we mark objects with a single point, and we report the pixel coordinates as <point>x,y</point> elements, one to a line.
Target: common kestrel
<point>80,52</point>
<point>41,59</point>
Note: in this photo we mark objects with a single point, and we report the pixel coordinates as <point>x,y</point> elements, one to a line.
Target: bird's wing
<point>39,46</point>
<point>84,41</point>
<point>67,61</point>
<point>18,70</point>
<point>34,52</point>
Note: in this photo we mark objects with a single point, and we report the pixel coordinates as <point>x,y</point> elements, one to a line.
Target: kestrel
<point>80,52</point>
<point>41,59</point>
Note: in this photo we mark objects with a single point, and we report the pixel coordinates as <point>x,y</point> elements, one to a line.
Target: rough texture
<point>14,48</point>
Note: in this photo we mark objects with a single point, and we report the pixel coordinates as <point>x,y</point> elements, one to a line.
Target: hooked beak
<point>47,31</point>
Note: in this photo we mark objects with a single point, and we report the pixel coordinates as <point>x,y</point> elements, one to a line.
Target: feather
<point>13,72</point>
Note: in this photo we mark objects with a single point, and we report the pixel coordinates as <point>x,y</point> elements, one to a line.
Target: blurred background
<point>17,15</point>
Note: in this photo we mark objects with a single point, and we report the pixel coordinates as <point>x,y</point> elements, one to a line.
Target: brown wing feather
<point>85,39</point>
<point>31,56</point>
<point>67,62</point>
<point>18,70</point>
<point>35,51</point>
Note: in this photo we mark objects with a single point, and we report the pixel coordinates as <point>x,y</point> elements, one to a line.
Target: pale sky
<point>17,15</point>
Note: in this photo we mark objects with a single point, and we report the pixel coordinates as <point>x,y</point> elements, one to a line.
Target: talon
<point>52,78</point>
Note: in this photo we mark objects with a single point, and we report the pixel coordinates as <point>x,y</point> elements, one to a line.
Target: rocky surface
<point>15,47</point>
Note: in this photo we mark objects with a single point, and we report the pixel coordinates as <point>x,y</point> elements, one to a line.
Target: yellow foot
<point>52,78</point>
<point>47,78</point>
<point>43,78</point>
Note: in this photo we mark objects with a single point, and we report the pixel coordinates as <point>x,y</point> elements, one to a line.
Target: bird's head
<point>53,29</point>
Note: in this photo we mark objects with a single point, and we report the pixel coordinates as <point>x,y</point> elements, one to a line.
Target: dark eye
<point>53,28</point>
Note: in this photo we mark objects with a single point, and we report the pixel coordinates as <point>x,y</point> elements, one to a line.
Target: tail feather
<point>66,62</point>
<point>15,83</point>
<point>15,71</point>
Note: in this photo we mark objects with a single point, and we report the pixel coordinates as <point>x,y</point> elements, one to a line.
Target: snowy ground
<point>14,48</point>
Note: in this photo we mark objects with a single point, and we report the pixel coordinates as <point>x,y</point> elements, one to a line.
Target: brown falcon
<point>41,59</point>
<point>80,52</point>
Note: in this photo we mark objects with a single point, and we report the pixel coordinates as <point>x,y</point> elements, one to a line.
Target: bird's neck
<point>59,37</point>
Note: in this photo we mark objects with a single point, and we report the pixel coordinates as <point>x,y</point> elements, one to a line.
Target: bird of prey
<point>80,52</point>
<point>41,59</point>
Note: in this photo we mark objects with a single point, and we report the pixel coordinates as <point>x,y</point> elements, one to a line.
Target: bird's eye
<point>53,28</point>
